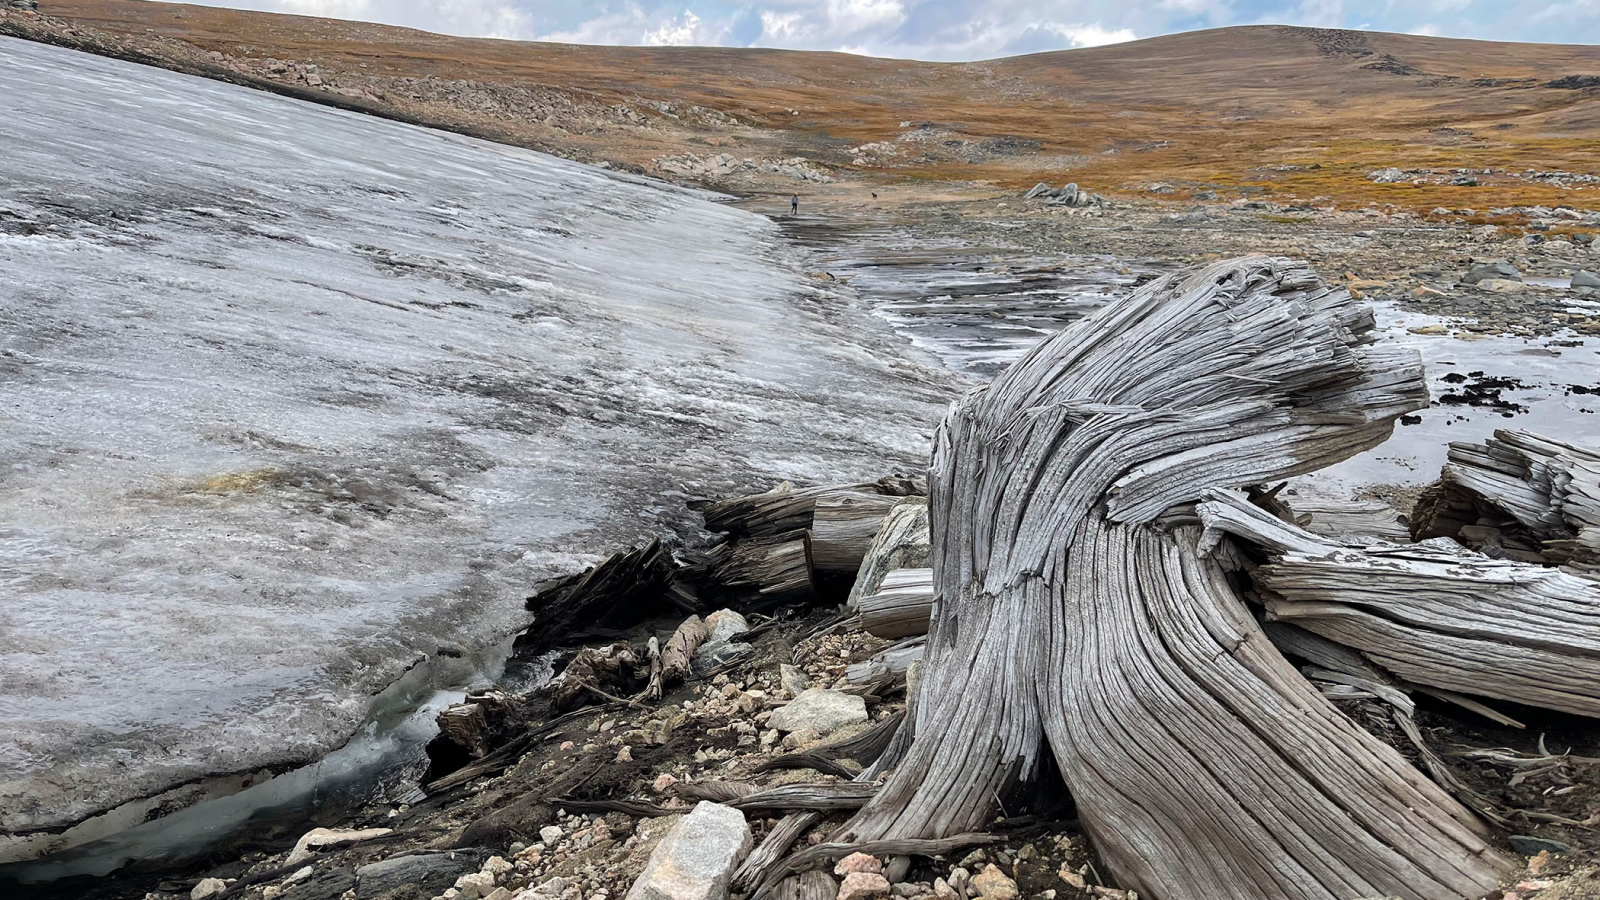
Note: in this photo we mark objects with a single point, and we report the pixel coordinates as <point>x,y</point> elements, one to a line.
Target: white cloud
<point>679,31</point>
<point>940,29</point>
<point>1093,35</point>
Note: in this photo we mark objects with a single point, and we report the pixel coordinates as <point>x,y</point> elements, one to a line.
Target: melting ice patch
<point>293,396</point>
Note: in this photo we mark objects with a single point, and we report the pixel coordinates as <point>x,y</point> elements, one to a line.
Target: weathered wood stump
<point>1073,618</point>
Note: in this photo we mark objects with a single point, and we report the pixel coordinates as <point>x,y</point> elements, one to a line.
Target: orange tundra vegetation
<point>1275,112</point>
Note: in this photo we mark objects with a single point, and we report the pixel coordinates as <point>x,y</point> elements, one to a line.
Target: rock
<point>432,872</point>
<point>724,624</point>
<point>1390,175</point>
<point>1068,193</point>
<point>1037,190</point>
<point>329,883</point>
<point>1501,286</point>
<point>901,543</point>
<point>208,887</point>
<point>944,891</point>
<point>1498,269</point>
<point>662,782</point>
<point>1428,329</point>
<point>897,868</point>
<point>992,884</point>
<point>321,838</point>
<point>798,739</point>
<point>793,680</point>
<point>696,860</point>
<point>550,834</point>
<point>719,647</point>
<point>863,886</point>
<point>1556,246</point>
<point>474,885</point>
<point>858,862</point>
<point>299,875</point>
<point>498,867</point>
<point>822,710</point>
<point>499,893</point>
<point>1585,279</point>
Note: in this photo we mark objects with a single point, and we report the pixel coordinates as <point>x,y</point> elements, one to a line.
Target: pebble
<point>550,834</point>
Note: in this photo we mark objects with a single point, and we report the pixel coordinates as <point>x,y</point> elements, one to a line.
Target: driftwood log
<point>1518,495</point>
<point>764,571</point>
<point>902,605</point>
<point>786,508</point>
<point>1433,613</point>
<point>624,589</point>
<point>843,527</point>
<point>1074,619</point>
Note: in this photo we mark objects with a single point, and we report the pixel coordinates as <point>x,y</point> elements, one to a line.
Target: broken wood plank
<point>1370,519</point>
<point>843,528</point>
<point>787,508</point>
<point>902,605</point>
<point>885,671</point>
<point>1435,614</point>
<point>820,796</point>
<point>624,589</point>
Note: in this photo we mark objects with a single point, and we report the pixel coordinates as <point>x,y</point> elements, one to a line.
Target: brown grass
<point>1223,110</point>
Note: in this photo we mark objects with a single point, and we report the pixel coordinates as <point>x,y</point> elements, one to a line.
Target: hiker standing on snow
<point>794,205</point>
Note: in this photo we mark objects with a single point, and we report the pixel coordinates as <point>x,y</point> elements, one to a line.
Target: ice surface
<point>289,397</point>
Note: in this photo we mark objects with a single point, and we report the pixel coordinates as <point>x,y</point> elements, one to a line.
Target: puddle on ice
<point>1550,385</point>
<point>978,309</point>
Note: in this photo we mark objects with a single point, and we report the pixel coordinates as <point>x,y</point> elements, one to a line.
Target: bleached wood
<point>1546,491</point>
<point>902,605</point>
<point>1433,613</point>
<point>843,528</point>
<point>1072,620</point>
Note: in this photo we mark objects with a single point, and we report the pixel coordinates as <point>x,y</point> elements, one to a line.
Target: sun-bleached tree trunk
<point>1076,616</point>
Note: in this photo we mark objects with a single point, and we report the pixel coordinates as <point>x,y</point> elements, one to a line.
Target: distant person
<point>794,205</point>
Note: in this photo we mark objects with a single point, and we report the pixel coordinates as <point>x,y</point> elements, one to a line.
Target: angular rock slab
<point>821,710</point>
<point>696,860</point>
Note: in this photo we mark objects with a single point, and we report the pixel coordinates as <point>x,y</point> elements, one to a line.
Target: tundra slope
<point>294,397</point>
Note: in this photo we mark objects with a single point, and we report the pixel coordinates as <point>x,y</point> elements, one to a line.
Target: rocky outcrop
<point>1069,195</point>
<point>723,165</point>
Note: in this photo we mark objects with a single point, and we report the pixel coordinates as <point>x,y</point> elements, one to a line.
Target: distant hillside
<point>1276,111</point>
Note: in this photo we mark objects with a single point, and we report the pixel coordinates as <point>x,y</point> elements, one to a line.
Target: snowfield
<point>291,398</point>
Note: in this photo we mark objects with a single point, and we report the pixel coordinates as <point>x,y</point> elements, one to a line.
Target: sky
<point>942,29</point>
